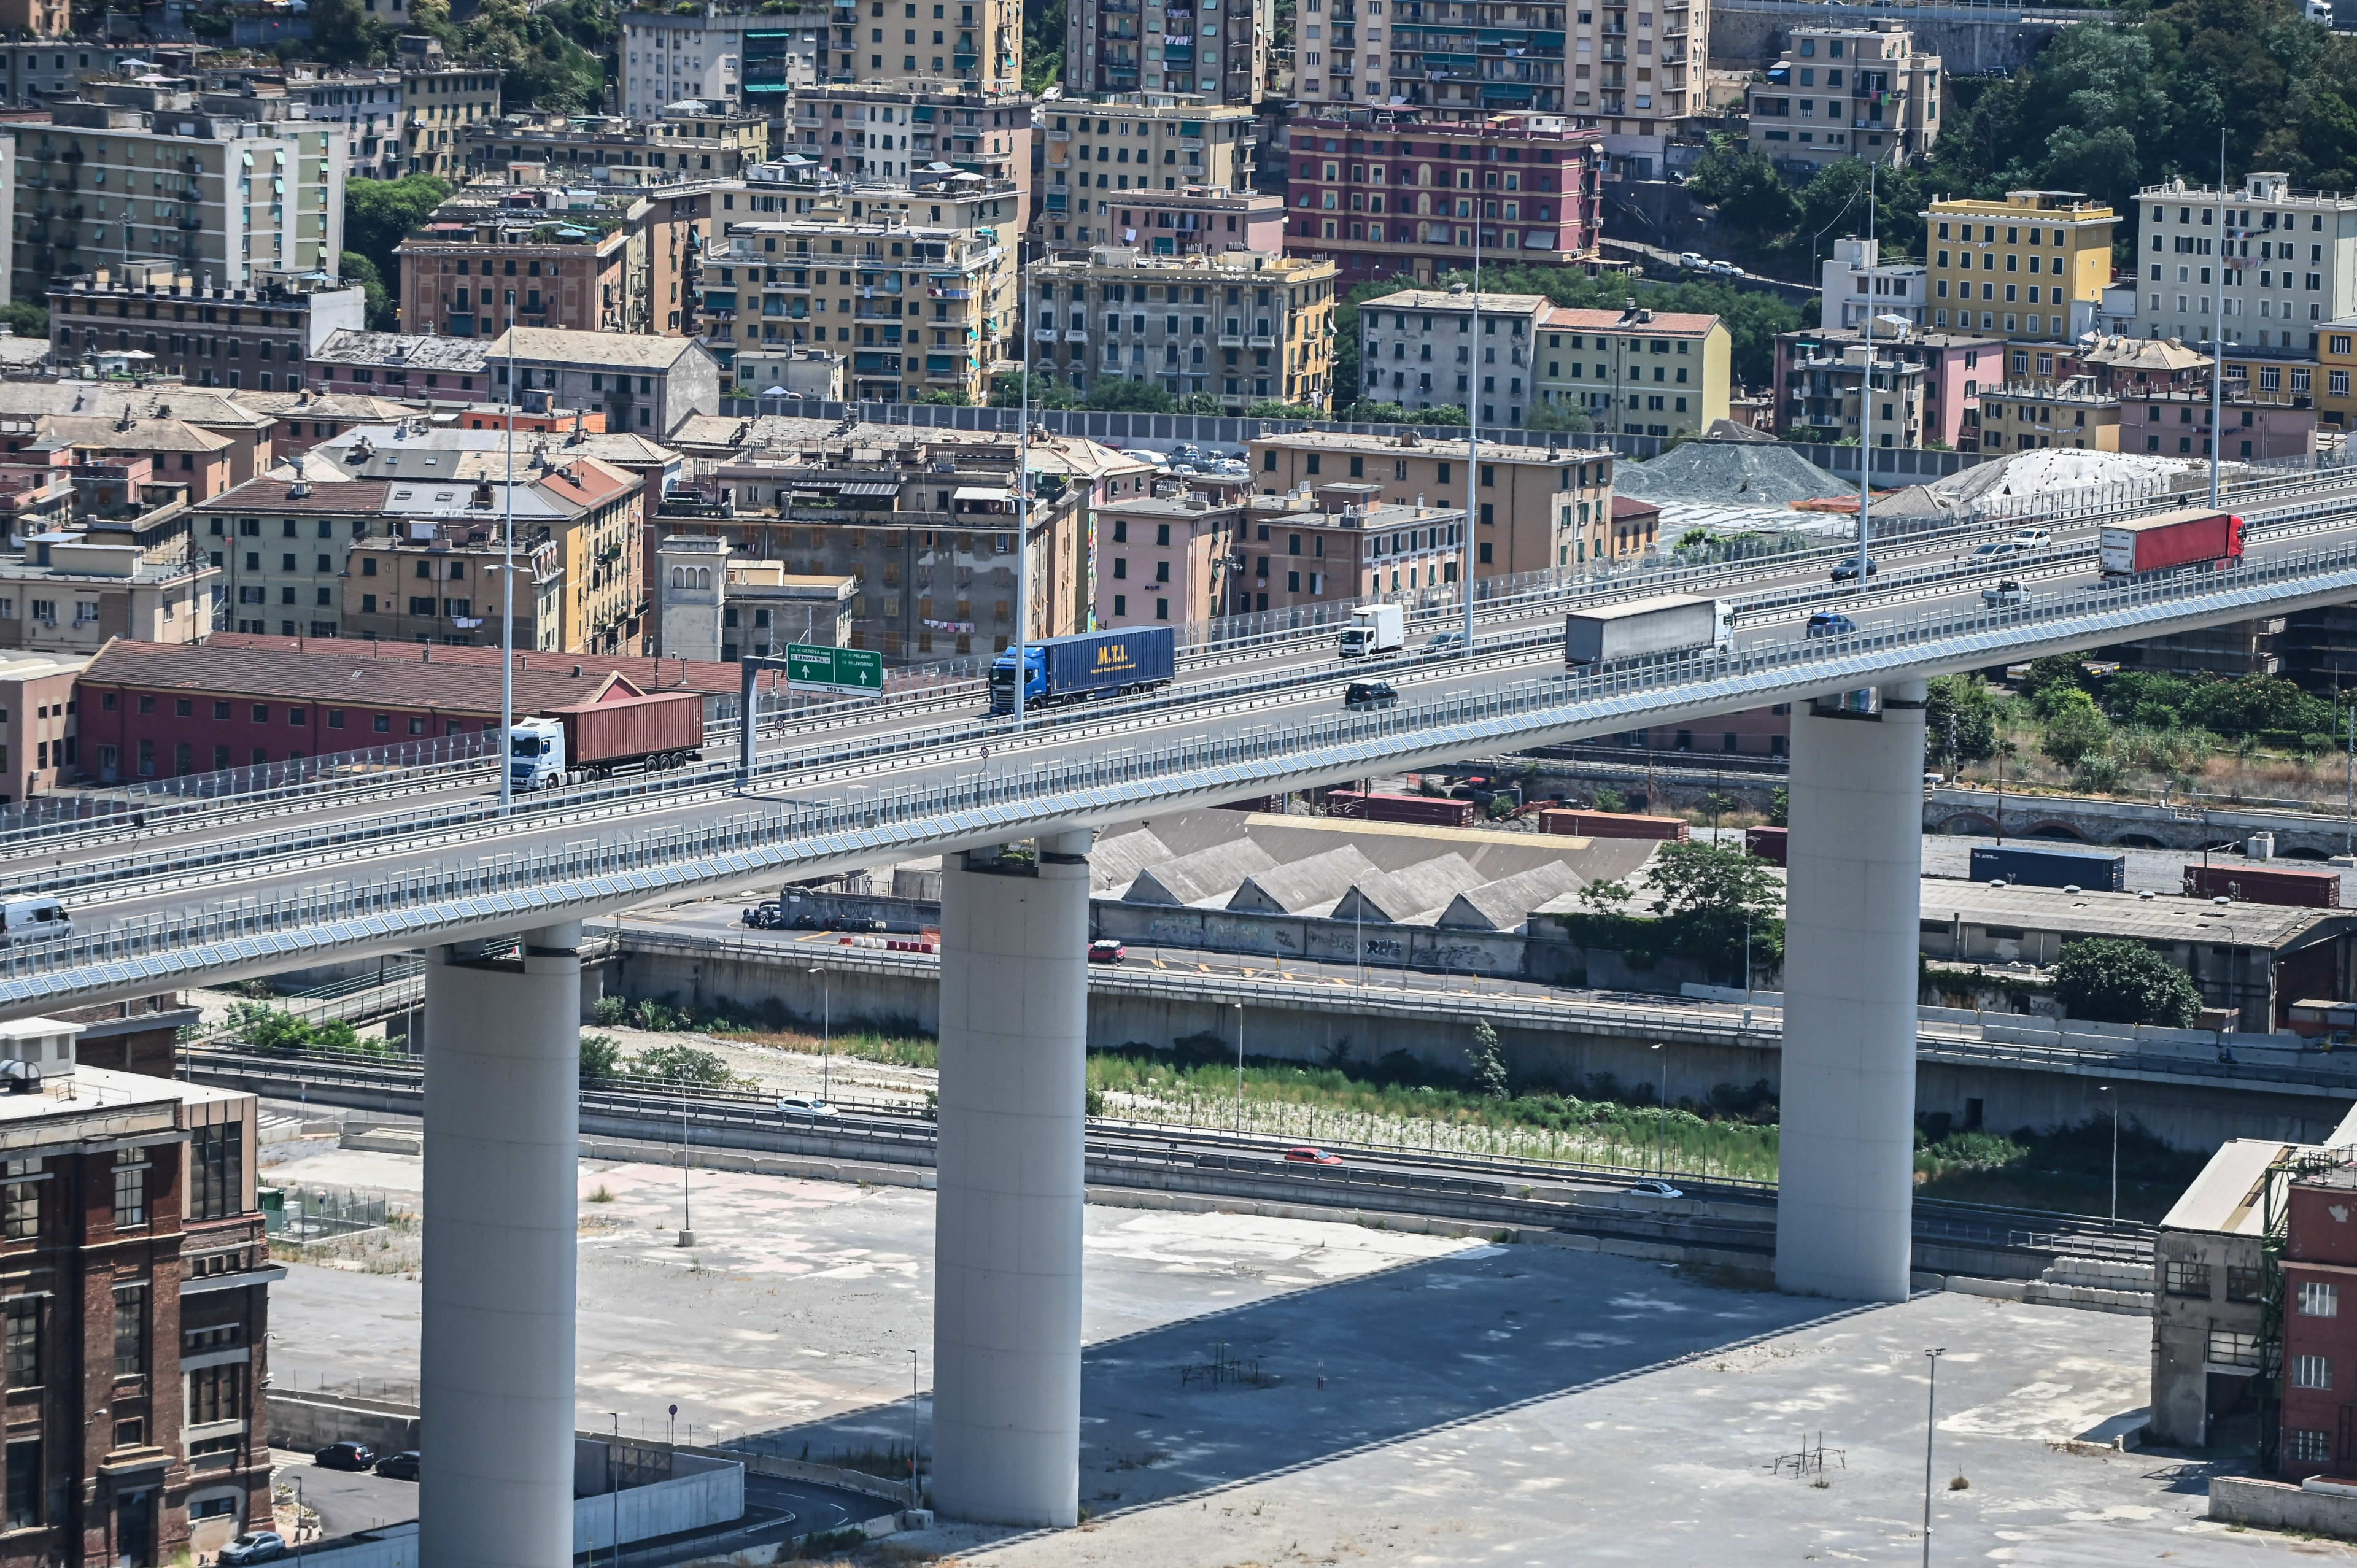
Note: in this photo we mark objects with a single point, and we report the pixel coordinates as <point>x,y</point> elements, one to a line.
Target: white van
<point>35,919</point>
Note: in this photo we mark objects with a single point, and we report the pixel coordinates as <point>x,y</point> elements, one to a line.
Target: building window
<point>130,1188</point>
<point>2319,1298</point>
<point>25,1484</point>
<point>130,1330</point>
<point>2228,1349</point>
<point>214,1169</point>
<point>216,1393</point>
<point>25,1342</point>
<point>2241,1283</point>
<point>20,1200</point>
<point>2186,1278</point>
<point>2309,1447</point>
<point>2311,1371</point>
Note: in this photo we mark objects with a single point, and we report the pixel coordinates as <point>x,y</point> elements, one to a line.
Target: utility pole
<point>2218,327</point>
<point>507,592</point>
<point>1473,432</point>
<point>1931,1419</point>
<point>1023,495</point>
<point>1866,396</point>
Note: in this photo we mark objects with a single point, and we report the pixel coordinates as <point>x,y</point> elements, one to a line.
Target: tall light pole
<point>1023,496</point>
<point>686,1224</point>
<point>1240,1067</point>
<point>827,1033</point>
<point>2115,1102</point>
<point>1473,430</point>
<point>2218,327</point>
<point>1662,1120</point>
<point>1931,1418</point>
<point>507,589</point>
<point>1866,394</point>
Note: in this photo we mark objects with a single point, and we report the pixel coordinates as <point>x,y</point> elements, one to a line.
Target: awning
<point>977,493</point>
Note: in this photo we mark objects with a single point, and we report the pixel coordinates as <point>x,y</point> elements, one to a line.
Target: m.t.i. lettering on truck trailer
<point>854,672</point>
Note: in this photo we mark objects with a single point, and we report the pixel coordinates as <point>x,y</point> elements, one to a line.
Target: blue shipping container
<point>2042,867</point>
<point>1086,664</point>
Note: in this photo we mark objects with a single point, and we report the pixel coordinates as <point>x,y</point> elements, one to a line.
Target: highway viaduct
<point>498,906</point>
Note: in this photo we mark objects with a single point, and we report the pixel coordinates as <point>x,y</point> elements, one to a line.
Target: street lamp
<point>827,1033</point>
<point>686,1224</point>
<point>614,1485</point>
<point>1661,1122</point>
<point>1931,1415</point>
<point>2115,1102</point>
<point>1240,1069</point>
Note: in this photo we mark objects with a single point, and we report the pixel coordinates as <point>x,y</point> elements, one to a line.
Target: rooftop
<point>2229,1198</point>
<point>591,350</point>
<point>1657,323</point>
<point>1438,445</point>
<point>1462,299</point>
<point>416,351</point>
<point>447,684</point>
<point>2159,918</point>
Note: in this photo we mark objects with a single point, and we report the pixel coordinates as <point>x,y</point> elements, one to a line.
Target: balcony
<point>1231,340</point>
<point>1263,342</point>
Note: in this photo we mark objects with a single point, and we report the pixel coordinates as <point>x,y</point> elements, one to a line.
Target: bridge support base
<point>1006,1302</point>
<point>1844,1203</point>
<point>503,1156</point>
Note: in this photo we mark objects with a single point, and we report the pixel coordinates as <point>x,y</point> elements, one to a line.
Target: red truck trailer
<point>1767,843</point>
<point>590,740</point>
<point>2194,536</point>
<point>1429,811</point>
<point>2268,885</point>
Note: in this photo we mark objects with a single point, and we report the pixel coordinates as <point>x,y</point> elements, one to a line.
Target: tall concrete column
<point>1006,1301</point>
<point>503,1153</point>
<point>1844,1202</point>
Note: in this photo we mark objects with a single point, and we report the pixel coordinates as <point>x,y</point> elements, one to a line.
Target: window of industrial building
<point>25,1484</point>
<point>130,1188</point>
<point>2241,1285</point>
<point>130,1330</point>
<point>213,1157</point>
<point>2311,1371</point>
<point>25,1342</point>
<point>20,1200</point>
<point>2186,1278</point>
<point>2227,1347</point>
<point>2319,1298</point>
<point>2309,1447</point>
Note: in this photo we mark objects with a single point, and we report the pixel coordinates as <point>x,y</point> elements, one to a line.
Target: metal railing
<point>511,891</point>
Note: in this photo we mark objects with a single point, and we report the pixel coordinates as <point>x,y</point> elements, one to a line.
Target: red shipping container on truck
<point>2189,537</point>
<point>2252,885</point>
<point>626,728</point>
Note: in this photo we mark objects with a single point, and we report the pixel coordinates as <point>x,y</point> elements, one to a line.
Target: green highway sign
<point>856,670</point>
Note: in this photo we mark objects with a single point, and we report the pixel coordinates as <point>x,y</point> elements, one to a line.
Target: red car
<point>1106,950</point>
<point>1310,1155</point>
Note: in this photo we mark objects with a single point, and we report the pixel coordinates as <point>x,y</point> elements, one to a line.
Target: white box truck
<point>1673,623</point>
<point>1375,628</point>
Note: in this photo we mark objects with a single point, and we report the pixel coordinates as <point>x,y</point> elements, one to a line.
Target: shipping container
<point>1671,623</point>
<point>2189,537</point>
<point>1086,664</point>
<point>1613,825</point>
<point>590,740</point>
<point>1767,843</point>
<point>2268,884</point>
<point>1429,811</point>
<point>2025,865</point>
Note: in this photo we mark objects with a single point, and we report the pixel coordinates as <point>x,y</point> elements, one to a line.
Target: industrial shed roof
<point>1303,885</point>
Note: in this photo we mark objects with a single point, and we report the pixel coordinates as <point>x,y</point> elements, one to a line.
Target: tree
<point>380,213</point>
<point>1272,408</point>
<point>1043,44</point>
<point>268,1030</point>
<point>1959,720</point>
<point>1488,1066</point>
<point>384,312</point>
<point>945,397</point>
<point>1746,188</point>
<point>344,33</point>
<point>1373,414</point>
<point>602,1057</point>
<point>1119,394</point>
<point>336,1034</point>
<point>1713,897</point>
<point>25,319</point>
<point>1559,417</point>
<point>684,1065</point>
<point>1201,404</point>
<point>2049,677</point>
<point>1047,391</point>
<point>1446,415</point>
<point>2110,980</point>
<point>2075,730</point>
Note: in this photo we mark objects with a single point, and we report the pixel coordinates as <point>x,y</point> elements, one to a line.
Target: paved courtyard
<point>1264,1392</point>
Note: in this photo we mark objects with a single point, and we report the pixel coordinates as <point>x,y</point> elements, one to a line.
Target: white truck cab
<point>536,757</point>
<point>1373,628</point>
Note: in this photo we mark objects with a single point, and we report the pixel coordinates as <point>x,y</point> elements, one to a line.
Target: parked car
<point>1310,1155</point>
<point>1105,950</point>
<point>254,1546</point>
<point>1831,623</point>
<point>345,1456</point>
<point>808,1106</point>
<point>1724,270</point>
<point>1187,450</point>
<point>401,1466</point>
<point>1847,571</point>
<point>1691,259</point>
<point>1369,695</point>
<point>1650,1188</point>
<point>2005,594</point>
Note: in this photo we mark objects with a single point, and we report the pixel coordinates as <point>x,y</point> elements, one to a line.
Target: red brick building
<point>2319,1370</point>
<point>133,1309</point>
<point>1394,192</point>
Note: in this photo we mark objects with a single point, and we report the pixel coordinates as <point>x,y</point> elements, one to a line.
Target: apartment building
<point>1215,49</point>
<point>667,57</point>
<point>1635,372</point>
<point>1425,338</point>
<point>2284,260</point>
<point>229,197</point>
<point>536,270</point>
<point>704,600</point>
<point>1194,219</point>
<point>403,365</point>
<point>69,594</point>
<point>440,101</point>
<point>1176,555</point>
<point>1634,71</point>
<point>39,730</point>
<point>1848,92</point>
<point>33,71</point>
<point>967,202</point>
<point>367,102</point>
<point>280,547</point>
<point>899,42</point>
<point>2032,267</point>
<point>1858,281</point>
<point>1097,164</point>
<point>1486,57</point>
<point>692,140</point>
<point>260,338</point>
<point>1836,390</point>
<point>646,385</point>
<point>137,1270</point>
<point>899,134</point>
<point>1520,492</point>
<point>1956,366</point>
<point>1238,325</point>
<point>1394,192</point>
<point>782,57</point>
<point>914,307</point>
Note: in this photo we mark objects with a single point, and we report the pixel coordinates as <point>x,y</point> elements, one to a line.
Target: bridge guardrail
<point>516,890</point>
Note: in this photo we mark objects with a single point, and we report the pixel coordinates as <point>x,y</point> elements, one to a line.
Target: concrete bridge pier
<point>1006,1301</point>
<point>503,1148</point>
<point>1845,1204</point>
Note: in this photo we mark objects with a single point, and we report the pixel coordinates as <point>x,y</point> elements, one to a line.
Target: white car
<point>2005,596</point>
<point>1651,1188</point>
<point>1691,259</point>
<point>2034,538</point>
<point>1724,270</point>
<point>805,1105</point>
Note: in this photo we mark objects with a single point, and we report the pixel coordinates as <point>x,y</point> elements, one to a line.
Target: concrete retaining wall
<point>306,1423</point>
<point>2086,821</point>
<point>703,1491</point>
<point>2277,1505</point>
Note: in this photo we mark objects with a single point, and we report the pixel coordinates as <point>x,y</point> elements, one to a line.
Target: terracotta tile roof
<point>668,674</point>
<point>327,495</point>
<point>444,685</point>
<point>89,433</point>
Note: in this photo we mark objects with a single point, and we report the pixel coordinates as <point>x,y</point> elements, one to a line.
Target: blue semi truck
<point>1086,664</point>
